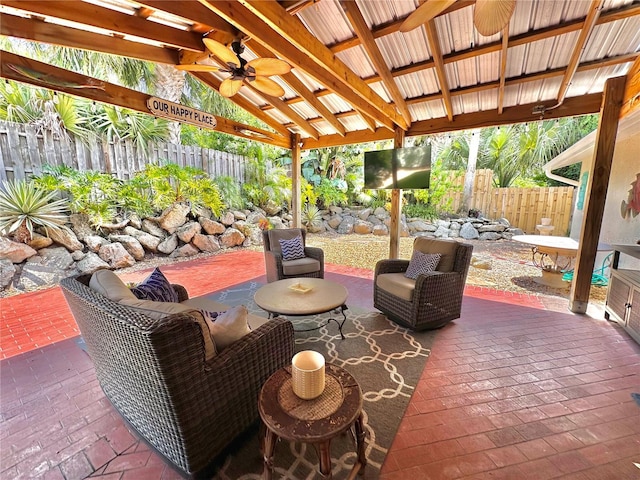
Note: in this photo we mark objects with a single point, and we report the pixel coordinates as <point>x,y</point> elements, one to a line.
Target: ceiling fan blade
<point>269,66</point>
<point>229,87</point>
<point>491,16</point>
<point>222,52</point>
<point>196,67</point>
<point>266,85</point>
<point>425,12</point>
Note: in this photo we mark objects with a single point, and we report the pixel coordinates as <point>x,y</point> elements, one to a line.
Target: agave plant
<point>311,216</point>
<point>23,205</point>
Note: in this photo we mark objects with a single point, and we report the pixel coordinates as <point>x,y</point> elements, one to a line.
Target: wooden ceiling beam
<point>40,31</point>
<point>65,81</point>
<point>305,94</point>
<point>302,46</point>
<point>574,61</point>
<point>503,67</point>
<point>111,20</point>
<point>368,42</point>
<point>436,53</point>
<point>243,103</point>
<point>631,100</point>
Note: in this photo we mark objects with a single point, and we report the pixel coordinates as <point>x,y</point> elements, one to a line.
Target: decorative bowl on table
<point>300,288</point>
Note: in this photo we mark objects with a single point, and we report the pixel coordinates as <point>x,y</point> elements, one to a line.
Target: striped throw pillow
<point>156,287</point>
<point>292,249</point>
<point>421,263</point>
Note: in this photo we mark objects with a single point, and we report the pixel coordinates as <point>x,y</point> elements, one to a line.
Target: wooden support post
<point>396,205</point>
<point>296,169</point>
<point>596,193</point>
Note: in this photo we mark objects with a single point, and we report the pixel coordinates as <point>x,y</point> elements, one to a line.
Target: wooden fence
<point>523,207</point>
<point>24,151</point>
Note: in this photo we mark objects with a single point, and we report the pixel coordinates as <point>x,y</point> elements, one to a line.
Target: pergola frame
<point>275,29</point>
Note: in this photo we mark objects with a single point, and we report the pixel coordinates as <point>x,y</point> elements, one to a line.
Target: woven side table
<point>316,421</point>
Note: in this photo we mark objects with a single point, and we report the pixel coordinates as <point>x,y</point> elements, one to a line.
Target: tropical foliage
<point>23,206</point>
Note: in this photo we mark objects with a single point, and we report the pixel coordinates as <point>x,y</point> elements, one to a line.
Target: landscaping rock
<point>489,236</point>
<point>481,262</point>
<point>277,222</point>
<point>169,244</point>
<point>174,216</point>
<point>187,250</point>
<point>468,232</point>
<point>135,221</point>
<point>116,255</point>
<point>242,226</point>
<point>231,238</point>
<point>35,275</point>
<point>335,210</point>
<point>211,227</point>
<point>14,251</point>
<point>66,238</point>
<point>94,242</point>
<point>152,228</point>
<point>206,243</point>
<point>78,255</point>
<point>239,215</point>
<point>227,219</point>
<point>112,227</point>
<point>364,214</point>
<point>272,208</point>
<point>421,226</point>
<point>81,225</point>
<point>381,213</point>
<point>188,230</point>
<point>56,258</point>
<point>492,227</point>
<point>39,241</point>
<point>148,241</point>
<point>131,245</point>
<point>255,217</point>
<point>442,232</point>
<point>7,271</point>
<point>91,263</point>
<point>380,230</point>
<point>346,226</point>
<point>254,237</point>
<point>335,221</point>
<point>362,228</point>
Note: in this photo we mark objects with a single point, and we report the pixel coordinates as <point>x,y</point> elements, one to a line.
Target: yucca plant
<point>311,216</point>
<point>23,206</point>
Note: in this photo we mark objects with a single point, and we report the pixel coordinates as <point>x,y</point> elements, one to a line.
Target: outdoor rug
<point>385,359</point>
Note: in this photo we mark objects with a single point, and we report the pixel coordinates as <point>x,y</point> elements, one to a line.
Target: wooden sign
<point>179,113</point>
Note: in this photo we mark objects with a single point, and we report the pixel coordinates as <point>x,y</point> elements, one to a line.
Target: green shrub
<point>23,205</point>
<point>311,216</point>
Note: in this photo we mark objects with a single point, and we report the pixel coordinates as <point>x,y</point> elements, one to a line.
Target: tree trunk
<point>469,178</point>
<point>170,83</point>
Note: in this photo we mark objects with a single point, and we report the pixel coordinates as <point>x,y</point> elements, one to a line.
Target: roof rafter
<point>368,42</point>
<point>298,46</point>
<point>503,67</point>
<point>436,53</point>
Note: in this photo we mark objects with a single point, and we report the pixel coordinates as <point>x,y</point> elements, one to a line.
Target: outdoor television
<point>405,168</point>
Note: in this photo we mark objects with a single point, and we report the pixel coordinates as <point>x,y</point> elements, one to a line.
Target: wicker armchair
<point>277,268</point>
<point>155,374</point>
<point>433,299</point>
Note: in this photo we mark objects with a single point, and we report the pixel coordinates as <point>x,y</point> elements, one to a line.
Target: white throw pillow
<point>228,327</point>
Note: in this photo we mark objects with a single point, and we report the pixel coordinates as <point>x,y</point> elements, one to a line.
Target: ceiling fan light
<point>491,16</point>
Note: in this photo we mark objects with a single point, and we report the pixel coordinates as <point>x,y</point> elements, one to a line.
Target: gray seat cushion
<point>300,266</point>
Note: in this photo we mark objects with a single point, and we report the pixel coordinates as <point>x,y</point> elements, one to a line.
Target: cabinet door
<point>617,297</point>
<point>633,321</point>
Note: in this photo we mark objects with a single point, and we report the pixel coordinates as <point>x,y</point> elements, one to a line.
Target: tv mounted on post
<point>405,168</point>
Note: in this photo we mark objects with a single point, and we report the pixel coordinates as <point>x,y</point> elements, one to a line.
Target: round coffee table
<point>316,296</point>
<point>316,421</point>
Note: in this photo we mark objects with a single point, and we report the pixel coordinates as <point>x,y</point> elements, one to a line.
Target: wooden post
<point>296,169</point>
<point>396,205</point>
<point>596,193</point>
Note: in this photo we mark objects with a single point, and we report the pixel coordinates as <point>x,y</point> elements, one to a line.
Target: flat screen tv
<point>405,168</point>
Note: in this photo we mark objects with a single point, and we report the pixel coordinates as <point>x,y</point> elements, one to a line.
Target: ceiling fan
<point>489,16</point>
<point>254,72</point>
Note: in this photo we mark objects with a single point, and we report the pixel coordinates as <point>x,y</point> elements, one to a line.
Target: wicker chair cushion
<point>156,287</point>
<point>229,326</point>
<point>300,266</point>
<point>278,234</point>
<point>108,284</point>
<point>204,303</point>
<point>397,284</point>
<point>422,263</point>
<point>447,248</point>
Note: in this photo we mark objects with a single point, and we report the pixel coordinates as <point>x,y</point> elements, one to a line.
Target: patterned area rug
<point>385,359</point>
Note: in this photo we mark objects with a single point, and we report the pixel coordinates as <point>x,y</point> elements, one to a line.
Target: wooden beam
<point>303,91</point>
<point>436,53</point>
<point>305,46</point>
<point>111,20</point>
<point>243,103</point>
<point>368,42</point>
<point>585,33</point>
<point>296,174</point>
<point>503,67</point>
<point>32,72</point>
<point>632,89</point>
<point>302,123</point>
<point>40,31</point>
<point>596,193</point>
<point>396,206</point>
<point>351,138</point>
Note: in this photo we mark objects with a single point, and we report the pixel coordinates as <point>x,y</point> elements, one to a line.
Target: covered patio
<point>519,385</point>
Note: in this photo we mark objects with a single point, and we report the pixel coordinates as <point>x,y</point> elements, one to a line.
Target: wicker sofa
<point>155,373</point>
